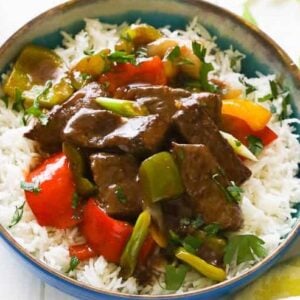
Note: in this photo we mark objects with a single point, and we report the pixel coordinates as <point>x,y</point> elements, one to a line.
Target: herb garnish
<point>231,192</point>
<point>242,248</point>
<point>35,110</point>
<point>74,262</point>
<point>195,223</point>
<point>174,277</point>
<point>235,191</point>
<point>122,57</point>
<point>75,200</point>
<point>247,13</point>
<point>174,54</point>
<point>190,243</point>
<point>30,186</point>
<point>120,194</point>
<point>249,87</point>
<point>212,229</point>
<point>276,91</point>
<point>200,52</point>
<point>17,215</point>
<point>255,144</point>
<point>19,101</point>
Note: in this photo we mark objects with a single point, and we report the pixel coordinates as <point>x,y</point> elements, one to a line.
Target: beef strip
<point>88,127</point>
<point>140,135</point>
<point>102,129</point>
<point>194,124</point>
<point>165,101</point>
<point>197,167</point>
<point>116,179</point>
<point>210,103</point>
<point>49,135</point>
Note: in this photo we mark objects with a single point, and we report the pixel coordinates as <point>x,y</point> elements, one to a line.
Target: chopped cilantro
<point>242,248</point>
<point>174,54</point>
<point>237,143</point>
<point>235,191</point>
<point>212,229</point>
<point>247,14</point>
<point>228,191</point>
<point>197,222</point>
<point>284,112</point>
<point>121,57</point>
<point>120,194</point>
<point>19,101</point>
<point>174,237</point>
<point>273,109</point>
<point>17,215</point>
<point>265,98</point>
<point>191,243</point>
<point>274,88</point>
<point>249,87</point>
<point>255,144</point>
<point>200,52</point>
<point>30,187</point>
<point>74,262</point>
<point>174,277</point>
<point>35,110</point>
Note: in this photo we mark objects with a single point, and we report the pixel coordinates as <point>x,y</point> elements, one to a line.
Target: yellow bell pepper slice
<point>201,265</point>
<point>255,115</point>
<point>34,67</point>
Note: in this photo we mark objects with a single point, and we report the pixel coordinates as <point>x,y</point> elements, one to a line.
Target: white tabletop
<point>279,18</point>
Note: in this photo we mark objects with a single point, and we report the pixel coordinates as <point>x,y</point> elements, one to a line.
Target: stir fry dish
<point>144,151</point>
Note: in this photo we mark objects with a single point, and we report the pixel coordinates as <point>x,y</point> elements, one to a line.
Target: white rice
<point>267,203</point>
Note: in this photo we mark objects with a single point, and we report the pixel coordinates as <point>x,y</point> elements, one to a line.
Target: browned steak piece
<point>49,135</point>
<point>116,178</point>
<point>139,135</point>
<point>194,124</point>
<point>165,101</point>
<point>87,127</point>
<point>200,170</point>
<point>101,129</point>
<point>210,103</point>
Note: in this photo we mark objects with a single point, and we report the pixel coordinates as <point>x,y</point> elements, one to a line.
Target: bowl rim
<point>280,54</point>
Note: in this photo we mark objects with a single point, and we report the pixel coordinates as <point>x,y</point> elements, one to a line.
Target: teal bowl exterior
<point>263,55</point>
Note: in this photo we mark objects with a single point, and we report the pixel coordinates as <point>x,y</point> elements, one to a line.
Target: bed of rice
<point>266,205</point>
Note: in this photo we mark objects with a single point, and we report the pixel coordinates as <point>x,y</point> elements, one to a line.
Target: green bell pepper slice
<point>84,186</point>
<point>131,252</point>
<point>124,108</point>
<point>160,178</point>
<point>34,67</point>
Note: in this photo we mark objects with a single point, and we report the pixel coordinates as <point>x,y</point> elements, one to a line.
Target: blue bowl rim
<point>266,262</point>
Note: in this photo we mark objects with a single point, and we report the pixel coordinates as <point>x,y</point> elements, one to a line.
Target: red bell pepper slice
<point>82,252</point>
<point>241,130</point>
<point>148,71</point>
<point>107,236</point>
<point>52,204</point>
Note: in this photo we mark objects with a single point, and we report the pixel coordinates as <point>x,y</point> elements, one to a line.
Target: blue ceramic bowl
<point>263,55</point>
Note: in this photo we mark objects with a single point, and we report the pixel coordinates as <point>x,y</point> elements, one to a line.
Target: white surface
<point>279,18</point>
